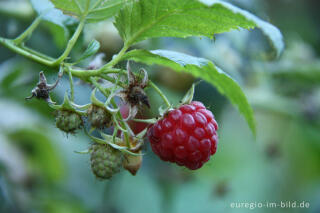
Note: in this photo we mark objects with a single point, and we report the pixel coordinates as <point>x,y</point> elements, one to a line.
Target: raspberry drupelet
<point>186,136</point>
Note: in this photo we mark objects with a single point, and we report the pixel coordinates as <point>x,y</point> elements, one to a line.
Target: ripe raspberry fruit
<point>186,136</point>
<point>105,161</point>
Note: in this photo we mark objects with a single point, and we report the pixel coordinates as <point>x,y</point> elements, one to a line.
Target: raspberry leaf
<point>175,18</point>
<point>47,11</point>
<point>92,49</point>
<point>54,18</point>
<point>92,10</point>
<point>201,68</point>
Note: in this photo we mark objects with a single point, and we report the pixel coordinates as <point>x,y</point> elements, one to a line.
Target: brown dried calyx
<point>42,90</point>
<point>134,94</point>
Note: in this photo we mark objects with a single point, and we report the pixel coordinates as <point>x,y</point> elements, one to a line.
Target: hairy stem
<point>11,45</point>
<point>34,52</point>
<point>117,58</point>
<point>162,95</point>
<point>34,55</point>
<point>71,43</point>
<point>71,84</point>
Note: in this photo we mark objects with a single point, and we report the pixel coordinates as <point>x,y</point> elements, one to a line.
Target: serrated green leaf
<point>175,18</point>
<point>93,10</point>
<point>92,49</point>
<point>201,68</point>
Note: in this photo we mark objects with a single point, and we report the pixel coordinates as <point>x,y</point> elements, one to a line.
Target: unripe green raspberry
<point>68,121</point>
<point>99,117</point>
<point>105,161</point>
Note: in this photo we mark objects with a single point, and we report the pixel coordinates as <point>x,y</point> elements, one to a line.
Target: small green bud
<point>99,117</point>
<point>68,121</point>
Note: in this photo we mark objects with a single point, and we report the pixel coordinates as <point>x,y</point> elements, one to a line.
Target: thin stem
<point>96,84</point>
<point>71,43</point>
<point>126,135</point>
<point>71,85</point>
<point>39,57</point>
<point>117,58</point>
<point>148,121</point>
<point>108,78</point>
<point>86,73</point>
<point>98,73</point>
<point>10,45</point>
<point>118,114</point>
<point>34,52</point>
<point>28,31</point>
<point>114,135</point>
<point>164,98</point>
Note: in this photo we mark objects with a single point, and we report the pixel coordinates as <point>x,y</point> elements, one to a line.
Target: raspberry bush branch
<point>23,36</point>
<point>70,44</point>
<point>162,95</point>
<point>115,115</point>
<point>184,134</point>
<point>26,52</point>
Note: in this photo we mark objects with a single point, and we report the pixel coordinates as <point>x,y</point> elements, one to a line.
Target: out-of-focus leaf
<point>201,68</point>
<point>55,18</point>
<point>5,199</point>
<point>92,49</point>
<point>53,204</point>
<point>93,10</point>
<point>21,9</point>
<point>10,78</point>
<point>303,71</point>
<point>163,18</point>
<point>42,158</point>
<point>60,34</point>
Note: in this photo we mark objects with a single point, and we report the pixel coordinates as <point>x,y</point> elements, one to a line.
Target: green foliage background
<point>39,171</point>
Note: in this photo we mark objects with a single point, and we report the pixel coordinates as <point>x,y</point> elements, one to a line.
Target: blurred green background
<point>41,173</point>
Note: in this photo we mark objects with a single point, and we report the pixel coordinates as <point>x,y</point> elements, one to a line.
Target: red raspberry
<point>186,136</point>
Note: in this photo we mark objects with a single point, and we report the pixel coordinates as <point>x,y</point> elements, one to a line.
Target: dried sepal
<point>42,90</point>
<point>132,163</point>
<point>134,94</point>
